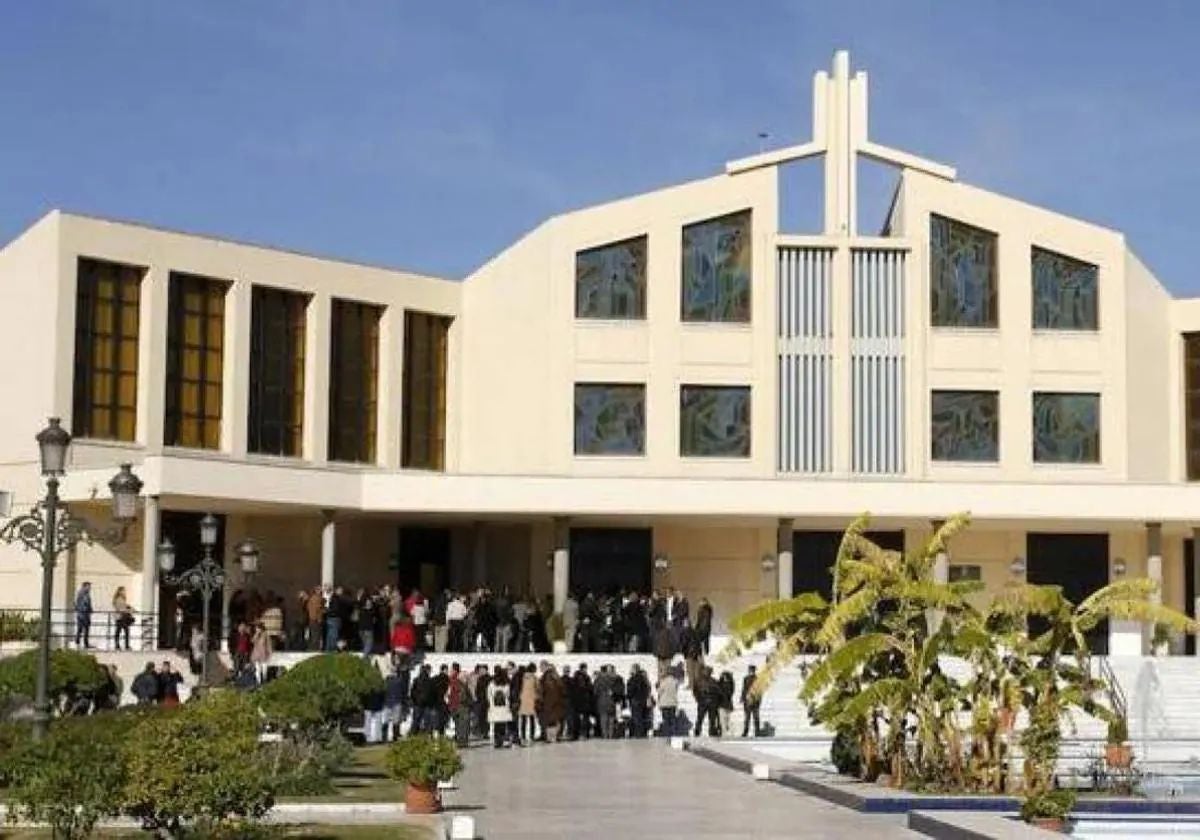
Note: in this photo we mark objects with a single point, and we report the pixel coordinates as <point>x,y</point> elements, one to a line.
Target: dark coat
<point>704,616</point>
<point>664,643</point>
<point>554,699</point>
<point>638,689</point>
<point>749,700</point>
<point>726,685</point>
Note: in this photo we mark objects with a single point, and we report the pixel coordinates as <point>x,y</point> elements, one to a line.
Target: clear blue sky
<point>430,135</point>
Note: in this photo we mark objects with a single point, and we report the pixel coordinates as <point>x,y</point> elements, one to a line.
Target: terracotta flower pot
<point>1118,755</point>
<point>1055,824</point>
<point>422,799</point>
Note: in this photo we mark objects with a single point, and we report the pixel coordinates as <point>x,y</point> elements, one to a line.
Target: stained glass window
<point>107,301</point>
<point>965,426</point>
<point>195,342</point>
<point>610,281</point>
<point>1064,292</point>
<point>353,380</point>
<point>610,419</point>
<point>714,421</point>
<point>716,269</point>
<point>963,279</point>
<point>1066,428</point>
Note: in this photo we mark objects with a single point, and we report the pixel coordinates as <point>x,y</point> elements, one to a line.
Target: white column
<point>328,547</point>
<point>1154,571</point>
<point>783,551</point>
<point>148,602</point>
<point>562,561</point>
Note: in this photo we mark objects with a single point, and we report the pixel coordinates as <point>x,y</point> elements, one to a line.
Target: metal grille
<point>805,359</point>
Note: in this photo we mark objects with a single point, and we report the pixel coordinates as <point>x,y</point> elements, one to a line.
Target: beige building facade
<point>665,390</point>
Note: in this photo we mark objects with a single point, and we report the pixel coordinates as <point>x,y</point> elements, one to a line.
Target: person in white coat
<point>499,709</point>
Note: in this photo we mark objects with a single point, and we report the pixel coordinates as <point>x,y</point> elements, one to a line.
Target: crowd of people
<point>517,705</point>
<point>377,621</point>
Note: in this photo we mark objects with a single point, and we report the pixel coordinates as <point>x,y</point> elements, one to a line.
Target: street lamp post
<point>208,576</point>
<point>50,529</point>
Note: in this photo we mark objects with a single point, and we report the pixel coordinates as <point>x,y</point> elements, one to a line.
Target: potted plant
<point>1118,754</point>
<point>421,761</point>
<point>1048,809</point>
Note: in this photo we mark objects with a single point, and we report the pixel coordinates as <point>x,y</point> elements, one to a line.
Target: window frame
<point>994,292</point>
<point>1033,413</point>
<point>211,290</point>
<point>643,293</point>
<point>354,332</point>
<point>933,456</point>
<point>424,447</point>
<point>1191,414</point>
<point>291,359</point>
<point>1034,249</point>
<point>575,392</point>
<point>689,386</point>
<point>87,404</point>
<point>683,268</point>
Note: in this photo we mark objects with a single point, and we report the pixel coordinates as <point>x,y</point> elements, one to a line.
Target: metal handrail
<point>1116,694</point>
<point>143,633</point>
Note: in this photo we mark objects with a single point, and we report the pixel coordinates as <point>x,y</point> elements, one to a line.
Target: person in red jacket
<point>404,637</point>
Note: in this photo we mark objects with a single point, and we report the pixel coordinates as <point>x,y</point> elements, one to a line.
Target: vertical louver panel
<point>805,360</point>
<point>877,360</point>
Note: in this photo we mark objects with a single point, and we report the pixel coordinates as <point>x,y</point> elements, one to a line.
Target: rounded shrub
<point>423,760</point>
<point>71,674</point>
<point>319,691</point>
<point>197,765</point>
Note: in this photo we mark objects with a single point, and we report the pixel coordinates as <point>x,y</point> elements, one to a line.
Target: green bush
<point>1118,730</point>
<point>74,777</point>
<point>197,765</point>
<point>306,766</point>
<point>71,673</point>
<point>1048,805</point>
<point>423,760</point>
<point>19,627</point>
<point>319,691</point>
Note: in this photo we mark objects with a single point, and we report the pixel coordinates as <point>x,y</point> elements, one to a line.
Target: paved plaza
<point>613,790</point>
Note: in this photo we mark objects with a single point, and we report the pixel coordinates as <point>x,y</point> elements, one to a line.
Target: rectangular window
<point>610,281</point>
<point>195,363</point>
<point>107,301</point>
<point>1191,397</point>
<point>610,419</point>
<point>965,426</point>
<point>277,337</point>
<point>965,573</point>
<point>714,421</point>
<point>1065,292</point>
<point>963,274</point>
<point>353,380</point>
<point>716,269</point>
<point>1066,428</point>
<point>426,342</point>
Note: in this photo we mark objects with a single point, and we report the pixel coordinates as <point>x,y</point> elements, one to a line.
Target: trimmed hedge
<point>70,671</point>
<point>319,691</point>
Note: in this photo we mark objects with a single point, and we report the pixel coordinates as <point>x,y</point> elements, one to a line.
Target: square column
<point>148,601</point>
<point>562,561</point>
<point>1154,571</point>
<point>784,561</point>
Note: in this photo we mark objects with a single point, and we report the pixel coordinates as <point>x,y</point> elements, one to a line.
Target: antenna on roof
<point>762,141</point>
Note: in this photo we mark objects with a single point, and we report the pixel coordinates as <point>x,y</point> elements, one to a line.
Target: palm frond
<point>843,660</point>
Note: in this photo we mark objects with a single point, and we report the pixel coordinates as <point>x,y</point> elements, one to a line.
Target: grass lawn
<point>365,780</point>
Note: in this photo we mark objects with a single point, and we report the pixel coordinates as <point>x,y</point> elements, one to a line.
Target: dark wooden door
<point>1076,562</point>
<point>606,560</point>
<point>814,553</point>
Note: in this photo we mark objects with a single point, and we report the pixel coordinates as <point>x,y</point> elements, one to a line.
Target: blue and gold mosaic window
<point>1066,428</point>
<point>1065,292</point>
<point>610,281</point>
<point>962,286</point>
<point>965,426</point>
<point>717,269</point>
<point>714,421</point>
<point>610,419</point>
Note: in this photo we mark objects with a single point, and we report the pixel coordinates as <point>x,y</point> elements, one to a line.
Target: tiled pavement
<point>620,790</point>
